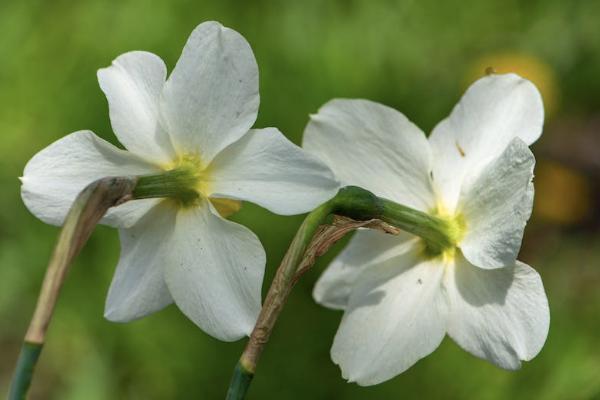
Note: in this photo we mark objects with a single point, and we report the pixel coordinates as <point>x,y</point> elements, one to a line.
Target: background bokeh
<point>417,56</point>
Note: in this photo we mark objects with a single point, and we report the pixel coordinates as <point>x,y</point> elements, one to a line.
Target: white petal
<point>373,146</point>
<point>396,316</point>
<point>267,169</point>
<point>138,287</point>
<point>127,214</point>
<point>499,315</point>
<point>492,112</point>
<point>496,205</point>
<point>133,85</point>
<point>211,98</point>
<point>366,247</point>
<point>215,272</point>
<point>56,175</point>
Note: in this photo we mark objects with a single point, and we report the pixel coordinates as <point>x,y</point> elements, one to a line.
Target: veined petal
<point>56,175</point>
<point>138,287</point>
<point>396,316</point>
<point>496,205</point>
<point>373,146</point>
<point>211,98</point>
<point>498,315</point>
<point>492,112</point>
<point>215,272</point>
<point>133,85</point>
<point>267,169</point>
<point>367,247</point>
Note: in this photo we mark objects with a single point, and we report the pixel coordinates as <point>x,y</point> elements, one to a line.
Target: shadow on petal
<point>480,287</point>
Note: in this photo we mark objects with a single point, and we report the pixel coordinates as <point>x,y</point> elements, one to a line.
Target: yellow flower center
<point>194,175</point>
<point>455,230</point>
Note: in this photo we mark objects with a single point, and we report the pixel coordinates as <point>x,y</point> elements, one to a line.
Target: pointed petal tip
<point>110,314</point>
<point>362,381</point>
<point>513,365</point>
<point>230,336</point>
<point>355,378</point>
<point>346,374</point>
<point>517,366</point>
<point>319,298</point>
<point>114,313</point>
<point>107,315</point>
<point>211,23</point>
<point>509,76</point>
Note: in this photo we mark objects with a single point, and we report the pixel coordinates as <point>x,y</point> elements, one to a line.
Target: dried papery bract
<point>297,261</point>
<point>350,209</point>
<point>87,210</point>
<point>326,235</point>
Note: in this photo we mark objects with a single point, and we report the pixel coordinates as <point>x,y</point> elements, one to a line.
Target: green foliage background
<point>412,55</point>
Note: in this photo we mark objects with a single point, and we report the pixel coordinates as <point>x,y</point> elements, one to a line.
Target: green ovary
<point>454,229</point>
<point>194,177</point>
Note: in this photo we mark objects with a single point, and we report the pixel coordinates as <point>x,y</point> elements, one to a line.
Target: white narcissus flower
<point>198,120</point>
<point>475,171</point>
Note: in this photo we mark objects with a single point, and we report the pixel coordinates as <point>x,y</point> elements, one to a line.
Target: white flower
<point>200,119</point>
<point>475,171</point>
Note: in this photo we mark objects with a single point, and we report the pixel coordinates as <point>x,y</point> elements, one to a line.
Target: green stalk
<point>313,240</point>
<point>240,382</point>
<point>30,352</point>
<point>178,184</point>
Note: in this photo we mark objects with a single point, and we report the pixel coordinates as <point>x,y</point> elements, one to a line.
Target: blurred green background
<point>417,56</point>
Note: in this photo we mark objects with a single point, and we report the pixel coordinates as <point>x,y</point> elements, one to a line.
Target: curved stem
<point>87,210</point>
<point>89,207</point>
<point>281,287</point>
<point>314,237</point>
<point>276,297</point>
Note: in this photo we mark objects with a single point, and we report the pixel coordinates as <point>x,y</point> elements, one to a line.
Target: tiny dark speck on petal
<point>419,281</point>
<point>460,149</point>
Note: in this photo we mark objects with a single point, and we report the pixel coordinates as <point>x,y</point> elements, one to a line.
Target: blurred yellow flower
<point>563,194</point>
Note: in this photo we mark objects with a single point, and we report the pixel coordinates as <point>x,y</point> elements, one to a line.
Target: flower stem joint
<point>440,234</point>
<point>181,184</point>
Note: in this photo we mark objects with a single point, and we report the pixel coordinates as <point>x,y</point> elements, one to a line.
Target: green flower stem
<point>30,352</point>
<point>436,232</point>
<point>312,240</point>
<point>89,207</point>
<point>240,382</point>
<point>177,183</point>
